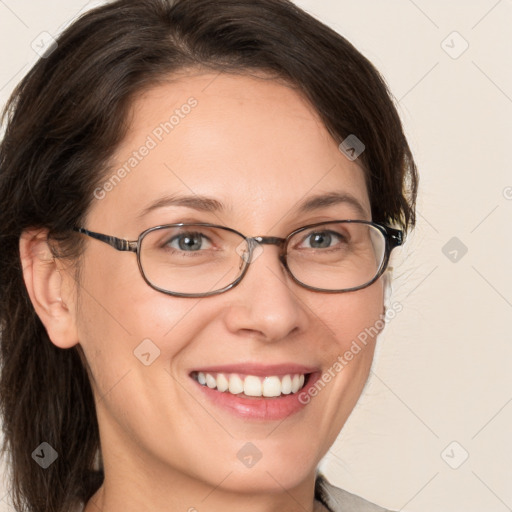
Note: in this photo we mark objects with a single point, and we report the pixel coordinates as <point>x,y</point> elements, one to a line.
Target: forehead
<point>253,143</point>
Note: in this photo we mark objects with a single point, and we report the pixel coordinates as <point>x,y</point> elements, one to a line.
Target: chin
<point>269,478</point>
<point>267,470</point>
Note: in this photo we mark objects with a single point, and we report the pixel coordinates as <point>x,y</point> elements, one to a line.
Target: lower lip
<point>261,408</point>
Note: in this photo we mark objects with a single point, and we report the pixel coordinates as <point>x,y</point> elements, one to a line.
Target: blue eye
<point>189,242</point>
<point>323,239</point>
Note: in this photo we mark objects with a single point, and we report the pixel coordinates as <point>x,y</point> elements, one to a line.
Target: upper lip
<point>259,369</point>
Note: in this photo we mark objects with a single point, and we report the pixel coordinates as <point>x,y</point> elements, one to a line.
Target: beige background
<point>441,390</point>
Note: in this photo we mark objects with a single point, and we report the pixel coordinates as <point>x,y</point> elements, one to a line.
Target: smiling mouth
<point>252,386</point>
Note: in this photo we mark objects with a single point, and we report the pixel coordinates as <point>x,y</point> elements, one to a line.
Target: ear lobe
<point>44,277</point>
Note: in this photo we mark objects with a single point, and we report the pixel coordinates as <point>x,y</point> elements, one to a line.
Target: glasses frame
<point>393,238</point>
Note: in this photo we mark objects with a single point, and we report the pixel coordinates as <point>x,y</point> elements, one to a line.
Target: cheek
<point>354,321</point>
<point>121,319</point>
<point>351,317</point>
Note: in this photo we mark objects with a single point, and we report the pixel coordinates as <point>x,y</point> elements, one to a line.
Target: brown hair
<point>63,123</point>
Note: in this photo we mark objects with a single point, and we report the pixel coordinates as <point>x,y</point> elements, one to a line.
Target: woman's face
<point>259,150</point>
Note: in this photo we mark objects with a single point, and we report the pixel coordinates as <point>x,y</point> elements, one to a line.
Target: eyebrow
<point>211,205</point>
<point>331,199</point>
<point>196,202</point>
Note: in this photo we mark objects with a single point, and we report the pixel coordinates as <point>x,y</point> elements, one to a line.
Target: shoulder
<point>339,500</point>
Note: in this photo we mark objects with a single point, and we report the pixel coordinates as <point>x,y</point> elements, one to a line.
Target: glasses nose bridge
<point>268,240</point>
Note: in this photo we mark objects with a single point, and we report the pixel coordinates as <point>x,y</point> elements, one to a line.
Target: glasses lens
<point>337,256</point>
<point>192,259</point>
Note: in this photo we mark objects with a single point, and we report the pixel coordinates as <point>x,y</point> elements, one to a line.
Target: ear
<point>50,287</point>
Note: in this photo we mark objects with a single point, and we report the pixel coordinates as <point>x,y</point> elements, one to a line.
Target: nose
<point>266,303</point>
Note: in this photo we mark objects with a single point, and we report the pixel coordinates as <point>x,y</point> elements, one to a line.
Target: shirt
<point>338,500</point>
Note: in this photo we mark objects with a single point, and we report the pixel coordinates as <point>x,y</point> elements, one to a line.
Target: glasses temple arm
<point>117,243</point>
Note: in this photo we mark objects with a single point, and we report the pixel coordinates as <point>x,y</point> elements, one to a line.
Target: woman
<point>254,164</point>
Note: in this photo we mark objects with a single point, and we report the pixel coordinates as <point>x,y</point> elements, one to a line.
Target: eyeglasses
<point>201,259</point>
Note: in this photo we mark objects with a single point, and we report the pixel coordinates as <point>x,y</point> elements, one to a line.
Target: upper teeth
<point>252,385</point>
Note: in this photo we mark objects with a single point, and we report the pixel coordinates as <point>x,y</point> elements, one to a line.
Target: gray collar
<point>339,500</point>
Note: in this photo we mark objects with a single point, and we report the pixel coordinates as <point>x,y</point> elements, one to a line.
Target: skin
<point>259,148</point>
